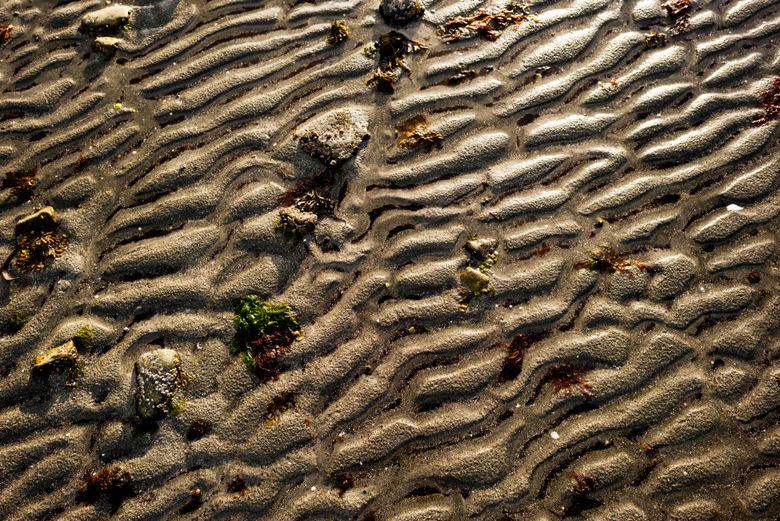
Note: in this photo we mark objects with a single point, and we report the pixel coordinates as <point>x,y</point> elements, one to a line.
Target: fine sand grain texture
<point>536,281</point>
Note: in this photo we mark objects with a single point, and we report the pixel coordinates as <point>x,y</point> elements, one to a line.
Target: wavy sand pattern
<point>166,162</point>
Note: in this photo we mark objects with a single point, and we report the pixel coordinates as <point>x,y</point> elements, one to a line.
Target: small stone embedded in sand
<point>294,224</point>
<point>400,12</point>
<point>554,435</point>
<point>107,44</point>
<point>111,17</point>
<point>160,378</point>
<point>481,247</point>
<point>334,137</point>
<point>474,280</point>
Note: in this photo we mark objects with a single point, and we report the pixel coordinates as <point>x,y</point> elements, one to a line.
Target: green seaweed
<point>264,332</point>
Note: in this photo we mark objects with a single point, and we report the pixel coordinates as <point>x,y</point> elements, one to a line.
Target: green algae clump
<point>264,332</point>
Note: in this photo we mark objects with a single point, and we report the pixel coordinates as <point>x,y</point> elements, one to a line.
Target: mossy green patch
<point>83,337</point>
<point>264,332</point>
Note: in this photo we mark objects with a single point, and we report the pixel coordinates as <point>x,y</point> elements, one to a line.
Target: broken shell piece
<point>43,219</point>
<point>60,356</point>
<point>474,280</point>
<point>111,17</point>
<point>63,358</point>
<point>734,208</point>
<point>107,44</point>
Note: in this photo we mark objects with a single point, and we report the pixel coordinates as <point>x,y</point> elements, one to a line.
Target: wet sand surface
<point>552,295</point>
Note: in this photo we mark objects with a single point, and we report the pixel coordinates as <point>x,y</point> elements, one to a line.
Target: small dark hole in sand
<point>526,119</point>
<point>425,490</point>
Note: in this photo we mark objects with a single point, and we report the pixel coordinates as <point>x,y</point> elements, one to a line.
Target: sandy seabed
<point>557,301</point>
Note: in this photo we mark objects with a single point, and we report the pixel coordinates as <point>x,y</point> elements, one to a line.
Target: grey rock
<point>334,137</point>
<point>160,379</point>
<point>113,16</point>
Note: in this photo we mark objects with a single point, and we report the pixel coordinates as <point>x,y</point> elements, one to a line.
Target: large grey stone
<point>334,137</point>
<point>160,379</point>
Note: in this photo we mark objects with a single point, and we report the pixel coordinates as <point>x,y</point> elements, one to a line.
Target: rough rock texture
<point>159,381</point>
<point>334,137</point>
<point>564,393</point>
<point>401,12</point>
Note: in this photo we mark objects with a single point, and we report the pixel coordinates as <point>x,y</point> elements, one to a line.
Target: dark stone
<point>400,12</point>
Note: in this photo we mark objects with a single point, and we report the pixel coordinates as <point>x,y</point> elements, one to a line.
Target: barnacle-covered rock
<point>473,283</point>
<point>417,132</point>
<point>334,137</point>
<point>399,12</point>
<point>111,17</point>
<point>160,379</point>
<point>61,359</point>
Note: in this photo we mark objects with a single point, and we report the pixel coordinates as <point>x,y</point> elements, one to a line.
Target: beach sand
<point>605,348</point>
